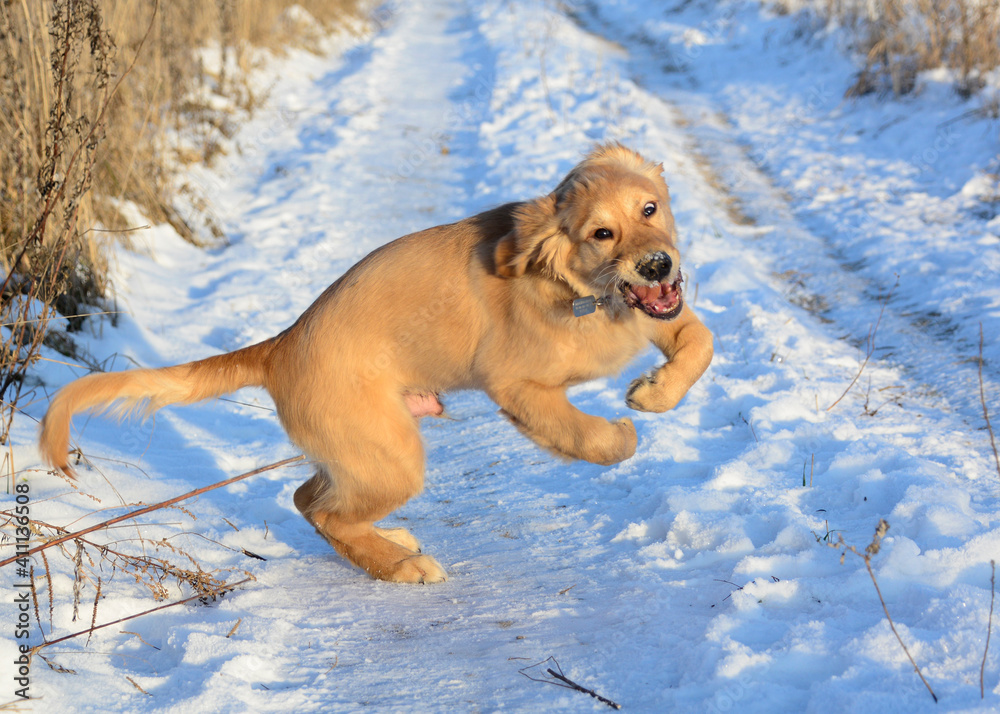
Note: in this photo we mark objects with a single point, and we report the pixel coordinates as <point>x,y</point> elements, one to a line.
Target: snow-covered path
<point>694,576</point>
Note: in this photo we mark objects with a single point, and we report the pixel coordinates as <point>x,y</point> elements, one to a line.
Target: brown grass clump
<point>91,90</point>
<point>900,38</point>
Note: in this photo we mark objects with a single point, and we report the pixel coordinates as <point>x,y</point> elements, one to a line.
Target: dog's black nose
<point>655,266</point>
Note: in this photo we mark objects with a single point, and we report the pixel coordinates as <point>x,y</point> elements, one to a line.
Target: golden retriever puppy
<point>521,301</point>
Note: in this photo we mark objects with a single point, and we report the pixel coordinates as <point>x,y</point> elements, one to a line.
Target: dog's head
<point>607,230</point>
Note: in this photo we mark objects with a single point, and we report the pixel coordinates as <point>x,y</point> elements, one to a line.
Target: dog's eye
<point>649,209</point>
<point>603,234</point>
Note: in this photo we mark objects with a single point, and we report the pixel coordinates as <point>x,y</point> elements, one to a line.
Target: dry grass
<point>130,163</point>
<point>158,566</point>
<point>116,548</point>
<point>91,91</point>
<point>58,86</point>
<point>900,38</point>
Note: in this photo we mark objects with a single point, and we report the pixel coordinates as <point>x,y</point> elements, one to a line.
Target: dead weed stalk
<point>989,627</point>
<point>982,400</point>
<point>47,162</point>
<point>214,594</point>
<point>146,561</point>
<point>149,509</point>
<point>871,550</point>
<point>869,350</point>
<point>155,564</point>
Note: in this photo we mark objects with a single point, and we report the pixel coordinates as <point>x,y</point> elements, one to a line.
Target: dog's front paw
<point>650,393</point>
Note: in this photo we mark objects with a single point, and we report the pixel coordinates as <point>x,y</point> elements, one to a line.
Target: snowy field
<point>693,577</point>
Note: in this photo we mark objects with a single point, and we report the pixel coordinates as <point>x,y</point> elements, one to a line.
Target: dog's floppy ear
<point>535,223</point>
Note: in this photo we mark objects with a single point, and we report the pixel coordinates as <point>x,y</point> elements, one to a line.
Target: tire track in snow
<point>814,269</point>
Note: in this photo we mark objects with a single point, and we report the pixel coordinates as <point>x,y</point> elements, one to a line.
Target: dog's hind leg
<point>368,475</point>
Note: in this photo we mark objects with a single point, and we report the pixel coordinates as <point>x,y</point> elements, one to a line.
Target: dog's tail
<point>144,391</point>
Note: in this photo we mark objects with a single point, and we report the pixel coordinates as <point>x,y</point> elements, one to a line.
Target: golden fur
<point>485,303</point>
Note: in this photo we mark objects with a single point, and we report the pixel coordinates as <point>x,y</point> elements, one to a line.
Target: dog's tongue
<point>659,298</point>
<point>648,295</point>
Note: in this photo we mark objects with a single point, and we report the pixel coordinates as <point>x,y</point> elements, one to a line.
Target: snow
<point>694,576</point>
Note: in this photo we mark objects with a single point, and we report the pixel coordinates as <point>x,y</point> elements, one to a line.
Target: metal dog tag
<point>586,305</point>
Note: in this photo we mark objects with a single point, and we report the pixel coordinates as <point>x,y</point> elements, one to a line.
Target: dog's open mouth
<point>663,301</point>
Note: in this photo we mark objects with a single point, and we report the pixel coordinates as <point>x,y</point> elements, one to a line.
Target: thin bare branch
<point>871,550</point>
<point>871,347</point>
<point>885,609</point>
<point>150,509</point>
<point>219,591</point>
<point>561,680</point>
<point>989,627</point>
<point>982,399</point>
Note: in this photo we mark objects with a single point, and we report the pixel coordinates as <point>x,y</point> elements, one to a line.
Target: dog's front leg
<point>545,416</point>
<point>687,344</point>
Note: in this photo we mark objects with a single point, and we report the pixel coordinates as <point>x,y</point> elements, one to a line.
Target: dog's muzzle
<point>661,300</point>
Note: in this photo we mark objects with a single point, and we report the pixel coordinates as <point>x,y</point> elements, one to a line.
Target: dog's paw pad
<point>653,394</point>
<point>638,393</point>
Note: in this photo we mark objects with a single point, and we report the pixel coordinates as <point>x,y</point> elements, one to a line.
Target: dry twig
<point>93,615</point>
<point>561,680</point>
<point>220,591</point>
<point>989,627</point>
<point>137,635</point>
<point>870,550</point>
<point>136,685</point>
<point>871,346</point>
<point>982,399</point>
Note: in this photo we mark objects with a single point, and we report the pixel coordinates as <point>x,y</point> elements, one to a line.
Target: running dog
<point>521,301</point>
